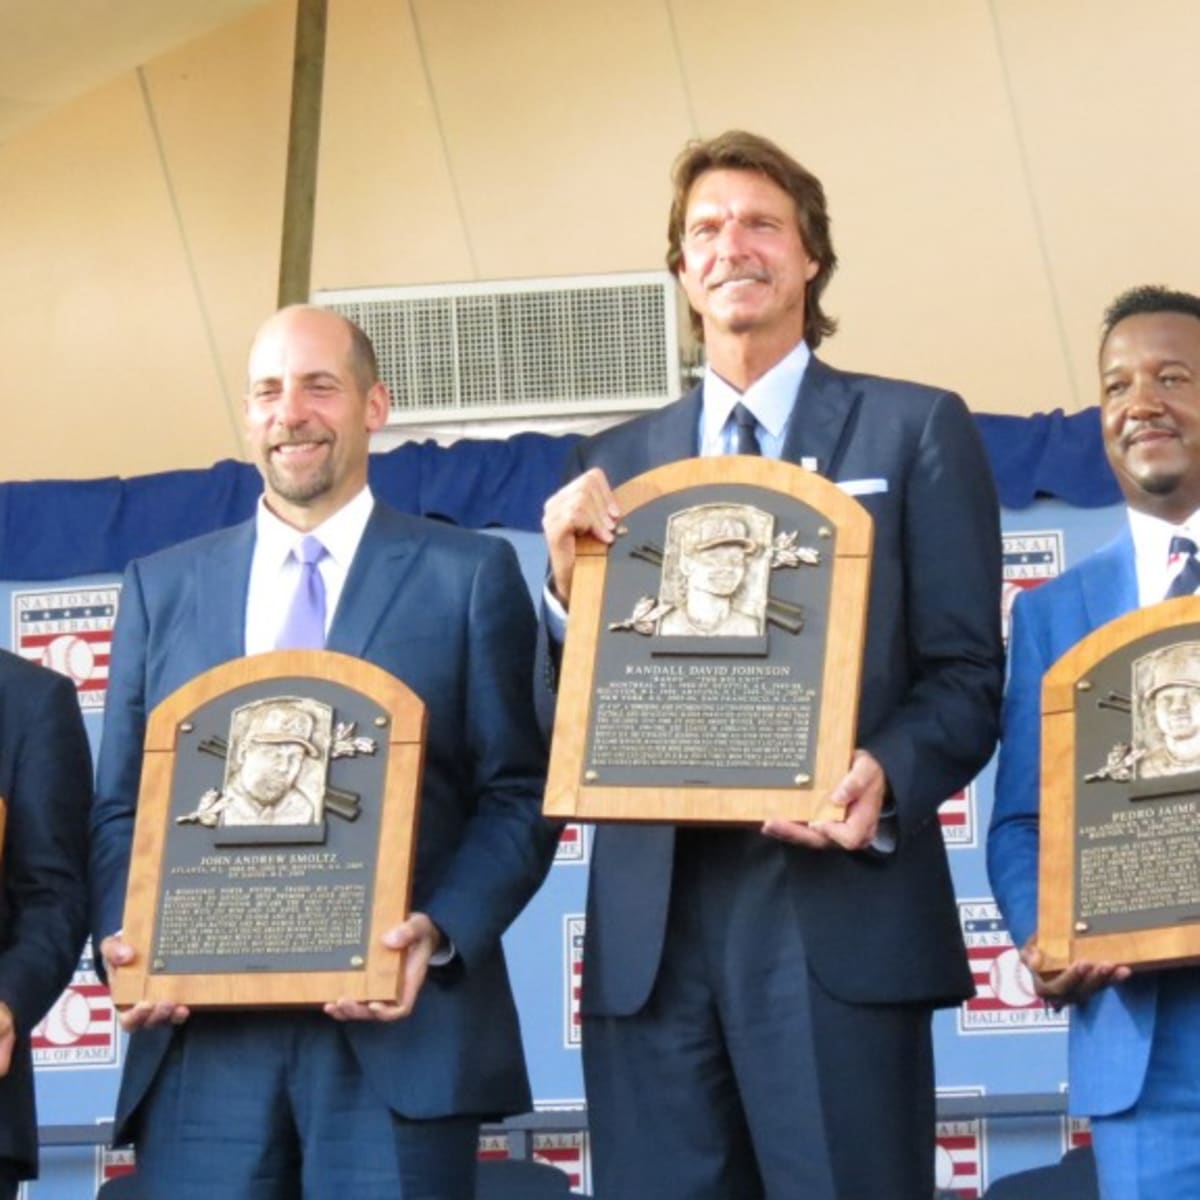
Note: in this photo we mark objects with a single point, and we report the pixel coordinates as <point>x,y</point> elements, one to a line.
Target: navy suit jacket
<point>46,784</point>
<point>1110,1034</point>
<point>447,612</point>
<point>877,929</point>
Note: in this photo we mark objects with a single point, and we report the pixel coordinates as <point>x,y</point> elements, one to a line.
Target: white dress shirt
<point>770,398</point>
<point>1151,547</point>
<point>275,570</point>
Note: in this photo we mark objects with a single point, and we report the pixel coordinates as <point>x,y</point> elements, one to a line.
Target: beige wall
<point>997,170</point>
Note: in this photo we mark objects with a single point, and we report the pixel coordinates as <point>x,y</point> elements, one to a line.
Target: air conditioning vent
<point>555,347</point>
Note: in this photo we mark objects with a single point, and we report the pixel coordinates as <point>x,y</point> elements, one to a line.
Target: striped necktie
<point>1187,578</point>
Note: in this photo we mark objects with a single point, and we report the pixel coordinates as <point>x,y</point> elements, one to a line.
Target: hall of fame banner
<point>960,1151</point>
<point>1005,999</point>
<point>572,845</point>
<point>1076,1132</point>
<point>573,927</point>
<point>957,817</point>
<point>80,1030</point>
<point>568,1151</point>
<point>112,1164</point>
<point>69,631</point>
<point>1029,560</point>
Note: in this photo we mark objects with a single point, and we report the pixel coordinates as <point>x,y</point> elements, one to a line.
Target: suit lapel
<point>1108,580</point>
<point>387,552</point>
<point>221,580</point>
<point>822,419</point>
<point>675,433</point>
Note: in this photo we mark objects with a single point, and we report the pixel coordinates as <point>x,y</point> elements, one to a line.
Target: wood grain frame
<point>570,795</point>
<point>1060,940</point>
<point>381,976</point>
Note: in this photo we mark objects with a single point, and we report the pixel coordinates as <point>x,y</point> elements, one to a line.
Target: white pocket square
<point>863,487</point>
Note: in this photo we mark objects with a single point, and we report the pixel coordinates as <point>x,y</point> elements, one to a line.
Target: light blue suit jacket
<point>448,613</point>
<point>1110,1034</point>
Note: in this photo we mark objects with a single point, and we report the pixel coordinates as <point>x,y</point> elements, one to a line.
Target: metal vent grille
<point>504,349</point>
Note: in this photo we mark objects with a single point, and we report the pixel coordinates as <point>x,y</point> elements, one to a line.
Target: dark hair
<point>736,150</point>
<point>1149,298</point>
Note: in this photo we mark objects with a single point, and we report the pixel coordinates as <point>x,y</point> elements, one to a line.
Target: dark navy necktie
<point>747,431</point>
<point>1187,579</point>
<point>304,627</point>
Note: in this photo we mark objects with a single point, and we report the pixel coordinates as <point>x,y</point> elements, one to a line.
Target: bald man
<point>356,1101</point>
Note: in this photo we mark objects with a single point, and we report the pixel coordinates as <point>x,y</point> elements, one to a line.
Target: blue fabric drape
<point>64,529</point>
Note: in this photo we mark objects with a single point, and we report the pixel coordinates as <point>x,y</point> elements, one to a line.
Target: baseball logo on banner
<point>1005,1000</point>
<point>111,1164</point>
<point>71,633</point>
<point>572,845</point>
<point>960,1151</point>
<point>1076,1133</point>
<point>1029,559</point>
<point>568,1152</point>
<point>492,1146</point>
<point>80,1030</point>
<point>957,818</point>
<point>572,978</point>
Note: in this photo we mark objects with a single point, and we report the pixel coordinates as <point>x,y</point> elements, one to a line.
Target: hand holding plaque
<point>713,653</point>
<point>271,788</point>
<point>1119,880</point>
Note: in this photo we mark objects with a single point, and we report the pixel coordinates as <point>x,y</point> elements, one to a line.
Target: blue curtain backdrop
<point>60,529</point>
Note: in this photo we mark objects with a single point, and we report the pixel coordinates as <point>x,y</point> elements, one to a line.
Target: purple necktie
<point>304,627</point>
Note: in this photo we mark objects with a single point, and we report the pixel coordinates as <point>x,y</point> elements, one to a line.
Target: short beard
<point>1159,484</point>
<point>299,491</point>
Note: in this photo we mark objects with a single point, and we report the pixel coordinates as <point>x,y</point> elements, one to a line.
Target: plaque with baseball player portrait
<point>1120,809</point>
<point>713,656</point>
<point>275,835</point>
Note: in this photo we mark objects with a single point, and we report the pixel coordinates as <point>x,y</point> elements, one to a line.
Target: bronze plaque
<point>270,788</point>
<point>713,653</point>
<point>1120,830</point>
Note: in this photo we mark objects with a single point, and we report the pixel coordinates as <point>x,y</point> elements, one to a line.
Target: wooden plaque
<point>1119,866</point>
<point>275,835</point>
<point>714,652</point>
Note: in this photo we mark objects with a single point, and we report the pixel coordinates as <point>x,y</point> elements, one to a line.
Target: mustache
<point>1156,425</point>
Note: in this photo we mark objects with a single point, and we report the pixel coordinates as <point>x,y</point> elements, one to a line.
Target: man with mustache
<point>757,1002</point>
<point>1134,1043</point>
<point>359,1102</point>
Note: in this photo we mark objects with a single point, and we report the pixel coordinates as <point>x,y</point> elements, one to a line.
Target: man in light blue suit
<point>1134,1040</point>
<point>361,1101</point>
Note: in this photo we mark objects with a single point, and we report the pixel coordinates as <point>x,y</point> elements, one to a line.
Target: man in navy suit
<point>46,788</point>
<point>361,1101</point>
<point>757,1003</point>
<point>1134,1042</point>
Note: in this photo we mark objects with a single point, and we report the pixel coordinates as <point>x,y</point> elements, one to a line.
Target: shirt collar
<point>1152,535</point>
<point>770,397</point>
<point>339,534</point>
